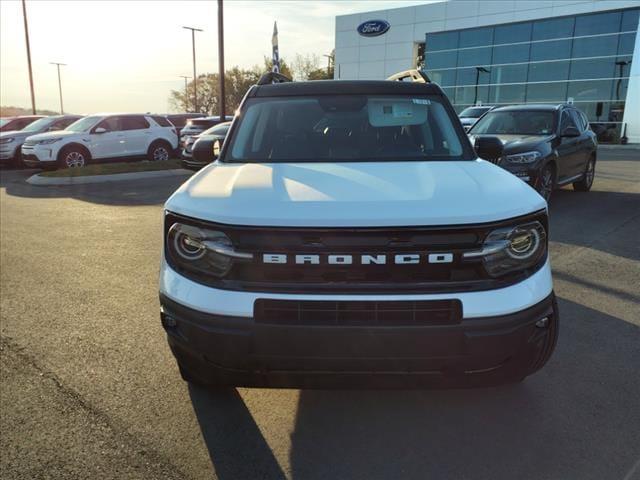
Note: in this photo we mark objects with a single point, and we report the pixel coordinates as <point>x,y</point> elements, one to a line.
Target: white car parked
<point>104,136</point>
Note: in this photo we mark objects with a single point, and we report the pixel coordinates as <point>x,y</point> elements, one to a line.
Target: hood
<point>55,134</point>
<point>354,194</point>
<point>13,133</point>
<point>517,143</point>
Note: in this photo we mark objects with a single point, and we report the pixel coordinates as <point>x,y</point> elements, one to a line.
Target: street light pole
<point>221,60</point>
<point>186,94</point>
<point>478,70</point>
<point>195,78</point>
<point>59,84</point>
<point>621,64</point>
<point>26,36</point>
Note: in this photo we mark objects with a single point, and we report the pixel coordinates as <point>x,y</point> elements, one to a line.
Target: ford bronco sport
<point>349,235</point>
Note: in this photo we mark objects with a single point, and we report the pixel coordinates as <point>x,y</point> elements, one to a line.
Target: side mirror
<point>570,132</point>
<point>100,130</point>
<point>207,152</point>
<point>488,148</point>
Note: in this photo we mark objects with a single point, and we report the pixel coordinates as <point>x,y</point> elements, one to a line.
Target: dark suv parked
<point>547,146</point>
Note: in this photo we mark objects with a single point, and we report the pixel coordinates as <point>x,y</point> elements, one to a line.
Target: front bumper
<point>38,156</point>
<point>478,350</point>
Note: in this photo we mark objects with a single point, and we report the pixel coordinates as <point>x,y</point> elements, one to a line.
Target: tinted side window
<point>134,123</point>
<point>111,124</point>
<point>162,121</point>
<point>62,124</point>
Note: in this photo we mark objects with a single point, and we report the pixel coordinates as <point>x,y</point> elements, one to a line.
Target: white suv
<point>348,234</point>
<point>101,137</point>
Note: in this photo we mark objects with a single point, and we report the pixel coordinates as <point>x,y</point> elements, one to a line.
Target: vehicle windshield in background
<point>220,129</point>
<point>83,124</point>
<point>37,125</point>
<point>522,122</point>
<point>473,112</point>
<point>3,122</point>
<point>334,128</point>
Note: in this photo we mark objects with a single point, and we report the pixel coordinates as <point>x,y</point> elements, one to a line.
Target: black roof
<point>531,106</point>
<point>345,87</point>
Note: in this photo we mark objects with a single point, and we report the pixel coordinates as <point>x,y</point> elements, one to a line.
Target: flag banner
<point>275,56</point>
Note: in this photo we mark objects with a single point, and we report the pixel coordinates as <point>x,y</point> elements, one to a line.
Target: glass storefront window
<point>596,68</point>
<point>468,95</point>
<point>629,20</point>
<point>590,90</point>
<point>436,60</point>
<point>509,73</point>
<point>547,92</point>
<point>626,43</point>
<point>556,49</point>
<point>543,71</point>
<point>476,37</point>
<point>444,78</point>
<point>597,23</point>
<point>595,46</point>
<point>474,57</point>
<point>518,32</point>
<point>511,54</point>
<point>467,76</point>
<point>507,93</point>
<point>552,28</point>
<point>441,41</point>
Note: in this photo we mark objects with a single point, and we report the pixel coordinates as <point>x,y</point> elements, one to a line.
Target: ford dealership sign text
<point>373,28</point>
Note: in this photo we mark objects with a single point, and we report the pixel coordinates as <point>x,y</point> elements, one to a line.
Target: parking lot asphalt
<point>89,388</point>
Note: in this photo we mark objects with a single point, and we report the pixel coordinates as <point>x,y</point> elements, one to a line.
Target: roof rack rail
<point>413,75</point>
<point>272,77</point>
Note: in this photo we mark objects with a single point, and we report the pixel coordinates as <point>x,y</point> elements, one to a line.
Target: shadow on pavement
<point>152,191</point>
<point>576,418</point>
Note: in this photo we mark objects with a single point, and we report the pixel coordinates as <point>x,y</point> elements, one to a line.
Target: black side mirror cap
<point>570,132</point>
<point>207,154</point>
<point>489,148</point>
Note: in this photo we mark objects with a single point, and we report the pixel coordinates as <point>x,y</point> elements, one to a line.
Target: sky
<point>126,56</point>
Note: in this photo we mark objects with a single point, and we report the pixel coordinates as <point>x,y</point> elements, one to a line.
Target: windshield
<point>522,122</point>
<point>38,125</point>
<point>220,129</point>
<point>334,128</point>
<point>83,124</point>
<point>473,112</point>
<point>4,121</point>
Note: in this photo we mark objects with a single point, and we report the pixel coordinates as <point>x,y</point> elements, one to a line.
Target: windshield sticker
<point>421,101</point>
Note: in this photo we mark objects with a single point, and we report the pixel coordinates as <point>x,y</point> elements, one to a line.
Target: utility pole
<point>478,70</point>
<point>329,61</point>
<point>195,78</point>
<point>26,36</point>
<point>221,60</point>
<point>186,94</point>
<point>59,84</point>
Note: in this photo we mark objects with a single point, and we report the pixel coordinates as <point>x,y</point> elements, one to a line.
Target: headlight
<point>513,248</point>
<point>49,141</point>
<point>525,157</point>
<point>7,140</point>
<point>202,251</point>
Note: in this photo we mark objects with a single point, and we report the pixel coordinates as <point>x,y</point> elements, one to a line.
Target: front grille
<point>358,313</point>
<point>456,276</point>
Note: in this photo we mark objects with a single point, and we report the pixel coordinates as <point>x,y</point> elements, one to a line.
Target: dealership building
<point>504,52</point>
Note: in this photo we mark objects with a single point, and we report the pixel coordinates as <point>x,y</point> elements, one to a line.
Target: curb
<point>115,177</point>
<point>631,146</point>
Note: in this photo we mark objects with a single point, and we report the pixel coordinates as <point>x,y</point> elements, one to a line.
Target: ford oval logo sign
<point>373,28</point>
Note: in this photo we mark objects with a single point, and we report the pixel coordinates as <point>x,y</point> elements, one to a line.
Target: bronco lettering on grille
<point>377,259</point>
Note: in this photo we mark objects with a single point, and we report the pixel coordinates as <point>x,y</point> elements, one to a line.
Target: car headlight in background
<point>7,140</point>
<point>525,157</point>
<point>49,141</point>
<point>506,250</point>
<point>202,251</point>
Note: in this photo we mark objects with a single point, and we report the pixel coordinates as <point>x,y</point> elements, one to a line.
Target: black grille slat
<point>358,313</point>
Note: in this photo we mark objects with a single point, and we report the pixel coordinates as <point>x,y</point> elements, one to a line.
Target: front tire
<point>546,182</point>
<point>584,184</point>
<point>159,152</point>
<point>73,157</point>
